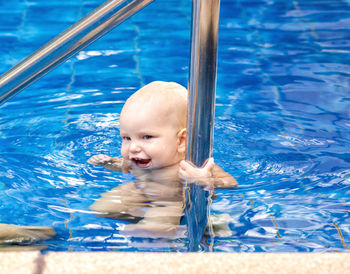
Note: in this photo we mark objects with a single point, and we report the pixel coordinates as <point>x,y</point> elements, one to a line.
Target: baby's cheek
<point>124,151</point>
<point>154,145</point>
<point>158,150</point>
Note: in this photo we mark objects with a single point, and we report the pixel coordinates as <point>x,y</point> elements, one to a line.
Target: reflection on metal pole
<point>202,84</point>
<point>77,37</point>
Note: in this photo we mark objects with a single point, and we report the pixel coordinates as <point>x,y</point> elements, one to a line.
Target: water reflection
<point>153,204</point>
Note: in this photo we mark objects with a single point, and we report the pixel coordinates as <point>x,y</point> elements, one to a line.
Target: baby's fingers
<point>100,159</point>
<point>209,165</point>
<point>186,170</point>
<point>189,171</point>
<point>185,165</point>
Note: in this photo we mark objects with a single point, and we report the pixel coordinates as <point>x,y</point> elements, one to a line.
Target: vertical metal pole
<point>201,109</point>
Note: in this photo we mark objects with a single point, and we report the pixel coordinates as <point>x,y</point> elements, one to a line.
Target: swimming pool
<point>282,121</point>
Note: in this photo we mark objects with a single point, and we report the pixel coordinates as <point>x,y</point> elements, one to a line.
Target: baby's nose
<point>134,147</point>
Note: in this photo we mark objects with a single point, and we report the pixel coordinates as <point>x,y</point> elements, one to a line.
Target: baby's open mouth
<point>143,163</point>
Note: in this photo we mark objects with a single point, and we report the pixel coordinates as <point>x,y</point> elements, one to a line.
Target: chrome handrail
<point>77,37</point>
<point>201,109</point>
<point>202,79</point>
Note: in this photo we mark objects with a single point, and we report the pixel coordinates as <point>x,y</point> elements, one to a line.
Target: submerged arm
<point>111,163</point>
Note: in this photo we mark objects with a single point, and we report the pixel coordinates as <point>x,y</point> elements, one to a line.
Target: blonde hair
<point>169,97</point>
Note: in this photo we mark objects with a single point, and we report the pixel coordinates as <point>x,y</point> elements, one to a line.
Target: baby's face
<point>150,141</point>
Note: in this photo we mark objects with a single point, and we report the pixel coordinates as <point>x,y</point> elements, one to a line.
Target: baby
<point>153,130</point>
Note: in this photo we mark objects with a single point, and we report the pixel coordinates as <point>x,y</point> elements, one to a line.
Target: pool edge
<point>123,262</point>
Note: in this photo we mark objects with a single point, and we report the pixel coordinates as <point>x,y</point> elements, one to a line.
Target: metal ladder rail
<point>74,39</point>
<point>201,109</point>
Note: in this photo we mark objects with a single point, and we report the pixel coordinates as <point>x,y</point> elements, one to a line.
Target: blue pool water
<point>282,123</point>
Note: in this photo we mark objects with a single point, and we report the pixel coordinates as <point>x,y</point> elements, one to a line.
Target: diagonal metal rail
<point>74,39</point>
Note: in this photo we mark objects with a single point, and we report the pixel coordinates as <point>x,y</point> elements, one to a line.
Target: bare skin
<point>153,130</point>
<point>17,234</point>
<point>210,174</point>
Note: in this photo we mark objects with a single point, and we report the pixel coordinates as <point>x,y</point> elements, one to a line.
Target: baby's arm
<point>115,164</point>
<point>222,179</point>
<point>208,174</point>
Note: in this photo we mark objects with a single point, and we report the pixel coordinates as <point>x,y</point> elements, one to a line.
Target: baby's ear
<point>181,140</point>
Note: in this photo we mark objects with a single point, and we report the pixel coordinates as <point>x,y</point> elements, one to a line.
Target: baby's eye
<point>147,137</point>
<point>126,138</point>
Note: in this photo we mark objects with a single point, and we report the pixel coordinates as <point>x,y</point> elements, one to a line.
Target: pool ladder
<point>202,77</point>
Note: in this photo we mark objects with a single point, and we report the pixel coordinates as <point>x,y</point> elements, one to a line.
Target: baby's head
<point>167,100</point>
<point>153,125</point>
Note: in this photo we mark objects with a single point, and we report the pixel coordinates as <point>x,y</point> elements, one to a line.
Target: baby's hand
<point>190,173</point>
<point>111,163</point>
<point>100,160</point>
